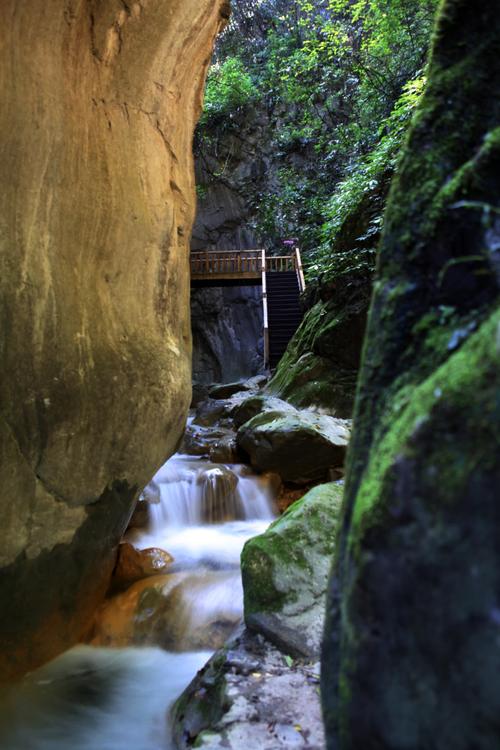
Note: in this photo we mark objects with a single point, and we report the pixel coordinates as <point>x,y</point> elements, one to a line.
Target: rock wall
<point>227,325</point>
<point>232,168</point>
<point>411,655</point>
<point>99,102</point>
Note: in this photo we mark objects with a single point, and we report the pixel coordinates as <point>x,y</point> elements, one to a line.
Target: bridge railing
<point>231,264</point>
<point>217,262</point>
<point>210,265</point>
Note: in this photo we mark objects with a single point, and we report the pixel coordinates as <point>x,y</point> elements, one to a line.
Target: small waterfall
<point>195,492</point>
<point>101,698</point>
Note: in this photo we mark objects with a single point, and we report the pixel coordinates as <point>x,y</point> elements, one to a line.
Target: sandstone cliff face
<point>411,655</point>
<point>99,102</point>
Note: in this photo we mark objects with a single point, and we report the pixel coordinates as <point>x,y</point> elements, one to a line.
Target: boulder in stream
<point>301,446</point>
<point>258,404</point>
<point>219,500</point>
<point>229,389</point>
<point>249,695</point>
<point>183,611</point>
<point>134,564</point>
<point>285,572</point>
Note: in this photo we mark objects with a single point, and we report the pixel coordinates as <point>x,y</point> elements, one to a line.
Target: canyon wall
<point>227,326</point>
<point>411,656</point>
<point>99,103</point>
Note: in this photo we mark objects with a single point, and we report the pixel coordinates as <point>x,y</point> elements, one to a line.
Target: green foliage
<point>364,183</point>
<point>229,89</point>
<point>329,79</point>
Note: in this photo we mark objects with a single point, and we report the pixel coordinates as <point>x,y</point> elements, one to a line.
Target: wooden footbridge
<point>281,278</point>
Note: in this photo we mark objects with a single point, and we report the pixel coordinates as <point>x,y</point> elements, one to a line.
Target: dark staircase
<point>284,311</point>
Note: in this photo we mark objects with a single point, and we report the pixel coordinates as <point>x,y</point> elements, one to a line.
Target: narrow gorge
<point>250,391</point>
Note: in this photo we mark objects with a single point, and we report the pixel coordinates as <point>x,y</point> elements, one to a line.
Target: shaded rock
<point>95,214</point>
<point>258,404</point>
<point>299,446</point>
<point>199,394</point>
<point>199,441</point>
<point>219,501</point>
<point>227,327</point>
<point>135,564</point>
<point>179,612</point>
<point>149,496</point>
<point>140,516</point>
<point>229,389</point>
<point>248,696</point>
<point>289,495</point>
<point>211,411</point>
<point>412,614</point>
<point>224,450</point>
<point>285,572</point>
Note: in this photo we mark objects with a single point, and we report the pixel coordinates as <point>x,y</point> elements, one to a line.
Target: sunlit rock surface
<point>99,102</point>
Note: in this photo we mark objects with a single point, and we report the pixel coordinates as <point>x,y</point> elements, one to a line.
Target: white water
<point>190,489</point>
<point>118,699</point>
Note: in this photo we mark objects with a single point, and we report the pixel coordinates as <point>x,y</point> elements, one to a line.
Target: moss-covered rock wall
<point>411,654</point>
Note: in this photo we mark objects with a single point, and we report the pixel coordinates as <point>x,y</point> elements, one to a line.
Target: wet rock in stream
<point>184,611</point>
<point>250,695</point>
<point>134,565</point>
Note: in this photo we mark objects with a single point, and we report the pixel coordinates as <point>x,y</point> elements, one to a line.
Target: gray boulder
<point>300,446</point>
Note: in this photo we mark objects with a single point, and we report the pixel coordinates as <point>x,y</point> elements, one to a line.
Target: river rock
<point>99,104</point>
<point>285,572</point>
<point>259,404</point>
<point>218,444</point>
<point>135,564</point>
<point>219,501</point>
<point>229,389</point>
<point>149,496</point>
<point>247,696</point>
<point>179,612</point>
<point>211,412</point>
<point>224,450</point>
<point>299,446</point>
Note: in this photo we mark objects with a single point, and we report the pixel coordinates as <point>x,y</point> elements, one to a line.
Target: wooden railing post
<point>264,307</point>
<point>300,270</point>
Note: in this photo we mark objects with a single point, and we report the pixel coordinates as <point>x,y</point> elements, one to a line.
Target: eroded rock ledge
<point>99,102</point>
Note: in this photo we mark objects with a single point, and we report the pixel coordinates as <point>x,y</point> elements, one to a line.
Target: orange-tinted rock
<point>99,104</point>
<point>134,564</point>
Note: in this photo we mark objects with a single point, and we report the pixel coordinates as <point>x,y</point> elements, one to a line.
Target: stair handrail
<point>264,309</point>
<point>300,270</point>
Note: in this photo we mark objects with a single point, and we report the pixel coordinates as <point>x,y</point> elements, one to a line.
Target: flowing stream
<point>117,698</point>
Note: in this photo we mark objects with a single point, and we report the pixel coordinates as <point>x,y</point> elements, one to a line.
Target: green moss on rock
<point>285,571</point>
<point>320,364</point>
<point>410,653</point>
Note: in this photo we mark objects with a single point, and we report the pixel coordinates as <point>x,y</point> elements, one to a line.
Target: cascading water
<point>95,698</point>
<point>206,512</point>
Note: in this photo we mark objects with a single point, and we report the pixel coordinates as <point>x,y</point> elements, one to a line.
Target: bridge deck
<point>241,268</point>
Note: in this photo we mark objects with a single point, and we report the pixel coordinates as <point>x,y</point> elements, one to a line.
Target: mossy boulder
<point>285,572</point>
<point>411,654</point>
<point>320,364</point>
<point>300,446</point>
